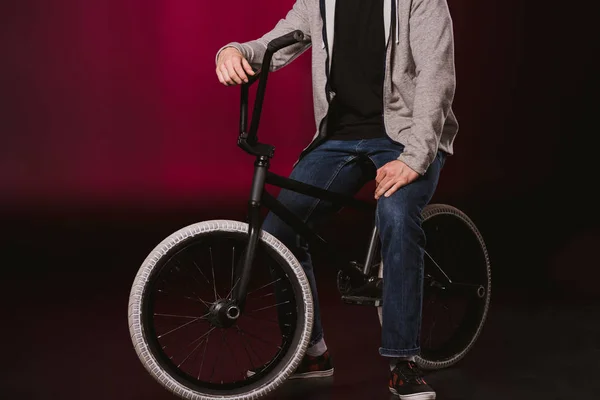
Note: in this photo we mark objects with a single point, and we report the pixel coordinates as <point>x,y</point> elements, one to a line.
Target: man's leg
<point>335,166</point>
<point>398,219</point>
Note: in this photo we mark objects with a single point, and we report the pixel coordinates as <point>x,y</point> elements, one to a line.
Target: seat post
<point>371,251</point>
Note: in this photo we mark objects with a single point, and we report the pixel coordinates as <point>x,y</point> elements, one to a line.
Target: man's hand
<point>392,176</point>
<point>232,67</point>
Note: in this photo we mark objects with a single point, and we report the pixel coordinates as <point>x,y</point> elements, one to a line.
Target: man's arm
<point>254,51</point>
<point>432,45</point>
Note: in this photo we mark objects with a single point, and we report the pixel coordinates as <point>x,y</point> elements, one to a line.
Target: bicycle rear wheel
<point>185,347</point>
<point>452,319</point>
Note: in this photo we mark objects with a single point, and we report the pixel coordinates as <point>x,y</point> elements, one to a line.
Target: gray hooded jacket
<point>419,80</point>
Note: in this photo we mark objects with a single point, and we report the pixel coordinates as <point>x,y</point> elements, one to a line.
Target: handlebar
<point>247,139</point>
<point>284,41</point>
<point>273,47</point>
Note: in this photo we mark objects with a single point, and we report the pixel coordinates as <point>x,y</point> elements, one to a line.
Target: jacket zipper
<point>327,87</point>
<point>392,24</point>
<point>321,135</point>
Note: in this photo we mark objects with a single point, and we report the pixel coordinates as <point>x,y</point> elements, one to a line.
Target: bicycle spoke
<point>195,359</point>
<point>197,282</point>
<point>264,286</point>
<point>177,316</point>
<point>438,267</point>
<point>199,300</point>
<point>203,356</point>
<point>201,273</point>
<point>252,347</point>
<point>183,297</point>
<point>257,338</point>
<point>182,326</point>
<point>274,305</point>
<point>187,282</point>
<point>245,348</point>
<point>192,352</point>
<point>212,265</point>
<point>233,287</point>
<point>215,364</point>
<point>206,334</point>
<point>232,274</point>
<point>233,355</point>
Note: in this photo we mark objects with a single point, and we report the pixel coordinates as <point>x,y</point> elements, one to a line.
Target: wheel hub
<point>223,313</point>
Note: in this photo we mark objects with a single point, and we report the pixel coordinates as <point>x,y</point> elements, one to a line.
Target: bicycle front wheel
<point>453,316</point>
<point>185,347</point>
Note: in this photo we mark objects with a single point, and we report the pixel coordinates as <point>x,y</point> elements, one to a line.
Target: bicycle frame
<point>259,197</point>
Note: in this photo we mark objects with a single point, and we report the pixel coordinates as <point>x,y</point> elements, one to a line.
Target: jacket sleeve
<point>254,51</point>
<point>432,47</point>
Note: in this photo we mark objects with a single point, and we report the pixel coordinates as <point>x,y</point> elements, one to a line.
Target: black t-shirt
<point>357,71</point>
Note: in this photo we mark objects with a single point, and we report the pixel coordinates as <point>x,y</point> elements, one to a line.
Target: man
<point>383,86</point>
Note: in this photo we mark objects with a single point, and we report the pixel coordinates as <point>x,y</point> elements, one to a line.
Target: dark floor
<point>64,327</point>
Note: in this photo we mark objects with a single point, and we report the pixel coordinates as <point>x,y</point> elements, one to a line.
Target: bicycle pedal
<point>362,301</point>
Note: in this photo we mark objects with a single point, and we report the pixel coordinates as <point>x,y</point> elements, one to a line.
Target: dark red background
<point>115,105</point>
<point>115,133</point>
<point>117,102</point>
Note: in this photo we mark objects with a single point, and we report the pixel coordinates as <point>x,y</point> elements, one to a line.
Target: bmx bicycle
<point>221,309</point>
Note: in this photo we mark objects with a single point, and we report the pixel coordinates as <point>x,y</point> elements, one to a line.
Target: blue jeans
<point>339,166</point>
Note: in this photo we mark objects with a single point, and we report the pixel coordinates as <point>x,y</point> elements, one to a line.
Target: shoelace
<point>411,372</point>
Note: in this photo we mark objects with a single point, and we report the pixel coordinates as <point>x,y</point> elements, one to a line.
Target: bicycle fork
<point>244,268</point>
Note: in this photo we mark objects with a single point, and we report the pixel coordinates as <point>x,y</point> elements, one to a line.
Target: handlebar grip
<point>253,78</point>
<point>285,41</point>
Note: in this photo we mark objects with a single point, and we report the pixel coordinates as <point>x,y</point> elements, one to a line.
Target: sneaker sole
<point>313,374</point>
<point>414,396</point>
<point>305,375</point>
